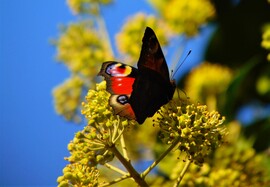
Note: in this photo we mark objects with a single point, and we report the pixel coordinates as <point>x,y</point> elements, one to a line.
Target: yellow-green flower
<point>78,175</point>
<point>67,98</point>
<point>97,110</point>
<point>185,16</point>
<point>86,6</point>
<point>90,146</point>
<point>263,85</point>
<point>197,130</point>
<point>195,176</point>
<point>237,164</point>
<point>81,49</point>
<point>234,163</point>
<point>207,82</point>
<point>266,40</point>
<point>129,40</point>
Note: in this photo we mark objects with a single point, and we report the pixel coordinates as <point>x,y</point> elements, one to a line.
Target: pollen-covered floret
<point>129,38</point>
<point>266,40</point>
<point>86,6</point>
<point>90,146</point>
<point>78,175</point>
<point>197,130</point>
<point>185,16</point>
<point>81,49</point>
<point>207,81</point>
<point>67,98</point>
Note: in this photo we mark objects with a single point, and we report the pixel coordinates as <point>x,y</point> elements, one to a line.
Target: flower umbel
<point>90,146</point>
<point>207,82</point>
<point>187,127</point>
<point>266,40</point>
<point>198,130</point>
<point>78,175</point>
<point>129,40</point>
<point>67,98</point>
<point>185,17</point>
<point>235,163</point>
<point>81,49</point>
<point>86,6</point>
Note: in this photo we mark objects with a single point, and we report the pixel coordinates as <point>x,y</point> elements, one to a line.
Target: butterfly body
<point>153,92</point>
<point>139,93</point>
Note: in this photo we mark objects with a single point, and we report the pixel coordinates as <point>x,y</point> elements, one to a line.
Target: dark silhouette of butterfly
<point>139,93</point>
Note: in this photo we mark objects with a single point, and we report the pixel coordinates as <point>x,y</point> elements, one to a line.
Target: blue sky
<point>33,139</point>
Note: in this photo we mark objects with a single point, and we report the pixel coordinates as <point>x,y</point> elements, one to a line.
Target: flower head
<point>78,175</point>
<point>234,163</point>
<point>208,81</point>
<point>185,16</point>
<point>129,40</point>
<point>237,163</point>
<point>90,146</point>
<point>81,49</point>
<point>198,130</point>
<point>266,40</point>
<point>86,6</point>
<point>67,98</point>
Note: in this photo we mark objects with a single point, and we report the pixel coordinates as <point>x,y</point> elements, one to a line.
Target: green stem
<point>182,173</point>
<point>104,32</point>
<point>115,169</point>
<point>115,130</point>
<point>124,148</point>
<point>211,102</point>
<point>160,158</point>
<point>119,133</point>
<point>115,181</point>
<point>133,173</point>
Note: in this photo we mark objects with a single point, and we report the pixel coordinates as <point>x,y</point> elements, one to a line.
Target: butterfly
<point>139,93</point>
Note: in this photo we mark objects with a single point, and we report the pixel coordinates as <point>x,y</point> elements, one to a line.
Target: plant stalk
<point>160,158</point>
<point>133,173</point>
<point>179,179</point>
<point>115,181</point>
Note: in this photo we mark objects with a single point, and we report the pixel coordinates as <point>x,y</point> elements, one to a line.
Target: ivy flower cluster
<point>67,98</point>
<point>86,6</point>
<point>235,163</point>
<point>82,51</point>
<point>208,81</point>
<point>197,130</point>
<point>80,48</point>
<point>129,39</point>
<point>78,175</point>
<point>102,131</point>
<point>185,17</point>
<point>90,146</point>
<point>266,40</point>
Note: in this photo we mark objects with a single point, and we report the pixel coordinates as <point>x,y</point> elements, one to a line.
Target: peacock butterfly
<point>139,93</point>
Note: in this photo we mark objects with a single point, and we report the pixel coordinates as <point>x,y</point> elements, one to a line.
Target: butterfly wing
<point>119,78</point>
<point>151,57</point>
<point>152,87</point>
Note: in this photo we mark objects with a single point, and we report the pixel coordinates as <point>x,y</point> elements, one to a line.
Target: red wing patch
<point>119,78</point>
<point>120,85</point>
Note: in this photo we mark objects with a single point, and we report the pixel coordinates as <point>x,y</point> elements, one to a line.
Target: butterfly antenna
<point>173,73</point>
